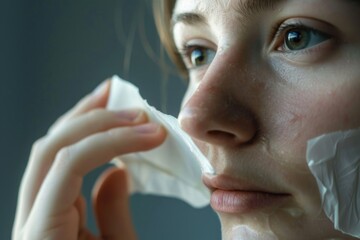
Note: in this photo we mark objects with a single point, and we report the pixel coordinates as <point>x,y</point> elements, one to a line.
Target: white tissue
<point>174,169</point>
<point>334,160</point>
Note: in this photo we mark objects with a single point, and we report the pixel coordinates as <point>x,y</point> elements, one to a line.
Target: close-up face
<point>264,78</point>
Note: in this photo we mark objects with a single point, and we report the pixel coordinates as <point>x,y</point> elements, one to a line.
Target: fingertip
<point>162,134</point>
<point>148,128</point>
<point>111,205</point>
<point>101,88</point>
<point>102,92</point>
<point>151,128</point>
<point>150,134</point>
<point>111,181</point>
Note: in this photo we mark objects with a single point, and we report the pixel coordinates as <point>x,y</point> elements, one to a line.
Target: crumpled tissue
<point>174,168</point>
<point>334,160</point>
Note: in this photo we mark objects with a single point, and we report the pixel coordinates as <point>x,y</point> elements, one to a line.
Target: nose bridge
<point>226,77</point>
<point>216,111</point>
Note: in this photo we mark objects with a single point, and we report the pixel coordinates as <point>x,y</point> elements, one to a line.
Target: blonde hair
<point>162,10</point>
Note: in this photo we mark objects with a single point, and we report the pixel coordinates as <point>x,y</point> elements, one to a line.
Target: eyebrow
<point>244,8</point>
<point>252,7</point>
<point>188,18</point>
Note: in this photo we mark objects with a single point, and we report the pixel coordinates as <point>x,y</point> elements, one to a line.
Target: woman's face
<point>265,77</point>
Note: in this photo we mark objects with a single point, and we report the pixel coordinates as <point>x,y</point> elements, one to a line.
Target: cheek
<point>308,113</point>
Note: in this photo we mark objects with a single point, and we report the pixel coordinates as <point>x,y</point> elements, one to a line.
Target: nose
<point>217,111</point>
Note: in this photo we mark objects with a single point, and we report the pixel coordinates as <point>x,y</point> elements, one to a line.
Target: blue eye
<point>201,56</point>
<point>297,39</point>
<point>197,56</point>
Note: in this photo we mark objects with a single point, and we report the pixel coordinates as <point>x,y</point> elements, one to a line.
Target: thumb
<point>111,205</point>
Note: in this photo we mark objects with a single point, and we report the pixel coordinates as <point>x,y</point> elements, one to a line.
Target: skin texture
<point>252,105</point>
<point>251,108</point>
<point>84,138</point>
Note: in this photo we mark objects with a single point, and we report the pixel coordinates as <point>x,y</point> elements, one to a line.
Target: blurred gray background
<point>54,52</point>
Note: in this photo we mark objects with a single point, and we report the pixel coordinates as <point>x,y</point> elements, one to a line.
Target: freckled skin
<point>271,103</point>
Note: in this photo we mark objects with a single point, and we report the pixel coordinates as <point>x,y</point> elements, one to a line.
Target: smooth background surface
<point>52,54</point>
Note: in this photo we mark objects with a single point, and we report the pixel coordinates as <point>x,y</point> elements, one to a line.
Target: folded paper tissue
<point>334,160</point>
<point>174,168</point>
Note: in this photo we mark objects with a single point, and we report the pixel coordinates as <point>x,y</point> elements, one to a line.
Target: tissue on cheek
<point>173,169</point>
<point>334,160</point>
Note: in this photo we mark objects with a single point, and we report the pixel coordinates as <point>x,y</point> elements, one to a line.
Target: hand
<point>50,204</point>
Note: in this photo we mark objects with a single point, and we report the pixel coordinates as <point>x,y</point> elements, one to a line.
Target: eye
<point>197,56</point>
<point>297,39</point>
<point>298,35</point>
<point>304,41</point>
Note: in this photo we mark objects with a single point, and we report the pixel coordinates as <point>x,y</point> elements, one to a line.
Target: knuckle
<point>63,153</point>
<point>56,124</point>
<point>39,151</point>
<point>39,144</point>
<point>63,157</point>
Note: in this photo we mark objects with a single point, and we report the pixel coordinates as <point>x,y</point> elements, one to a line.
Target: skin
<point>84,138</point>
<point>251,110</point>
<point>253,106</point>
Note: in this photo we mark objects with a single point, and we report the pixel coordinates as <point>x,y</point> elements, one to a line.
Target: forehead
<point>213,6</point>
<point>248,7</point>
<point>225,13</point>
<point>229,12</point>
<point>221,11</point>
<point>202,6</point>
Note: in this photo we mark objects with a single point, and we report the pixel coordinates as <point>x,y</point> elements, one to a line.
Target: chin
<point>279,224</point>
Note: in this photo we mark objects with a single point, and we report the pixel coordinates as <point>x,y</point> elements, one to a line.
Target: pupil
<point>296,40</point>
<point>294,37</point>
<point>198,57</point>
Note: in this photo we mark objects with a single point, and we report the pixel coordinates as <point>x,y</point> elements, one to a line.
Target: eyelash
<point>277,35</point>
<point>187,49</point>
<point>279,30</point>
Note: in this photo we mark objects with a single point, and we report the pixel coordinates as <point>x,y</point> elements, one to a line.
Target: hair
<point>163,10</point>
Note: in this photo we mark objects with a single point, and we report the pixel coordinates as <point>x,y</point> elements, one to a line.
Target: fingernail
<point>99,90</point>
<point>148,128</point>
<point>128,115</point>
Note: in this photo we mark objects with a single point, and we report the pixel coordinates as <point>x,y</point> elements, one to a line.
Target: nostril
<point>221,135</point>
<point>208,125</point>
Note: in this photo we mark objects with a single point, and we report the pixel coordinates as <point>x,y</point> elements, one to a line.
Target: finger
<point>97,99</point>
<point>74,130</point>
<point>80,204</point>
<point>84,233</point>
<point>95,121</point>
<point>111,206</point>
<point>56,198</point>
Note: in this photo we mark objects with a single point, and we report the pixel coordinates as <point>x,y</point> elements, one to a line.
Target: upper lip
<point>228,183</point>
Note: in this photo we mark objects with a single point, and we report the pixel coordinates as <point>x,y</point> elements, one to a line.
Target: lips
<point>230,195</point>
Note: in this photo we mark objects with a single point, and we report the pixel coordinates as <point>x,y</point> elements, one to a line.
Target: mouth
<point>229,195</point>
